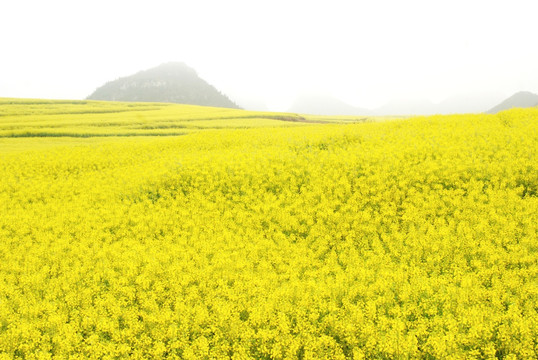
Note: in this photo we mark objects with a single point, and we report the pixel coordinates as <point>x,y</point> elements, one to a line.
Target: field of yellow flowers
<point>405,239</point>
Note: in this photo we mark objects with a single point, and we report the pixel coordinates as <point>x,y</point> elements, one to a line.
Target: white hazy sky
<point>364,52</point>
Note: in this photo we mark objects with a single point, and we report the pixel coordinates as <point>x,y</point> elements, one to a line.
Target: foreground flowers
<point>403,239</point>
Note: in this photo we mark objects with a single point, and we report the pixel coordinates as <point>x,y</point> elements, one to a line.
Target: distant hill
<point>319,104</point>
<point>248,102</point>
<point>407,107</point>
<point>469,103</point>
<point>521,99</point>
<point>457,104</point>
<point>172,82</point>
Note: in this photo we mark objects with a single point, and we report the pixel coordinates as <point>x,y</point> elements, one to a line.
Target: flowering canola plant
<point>409,239</point>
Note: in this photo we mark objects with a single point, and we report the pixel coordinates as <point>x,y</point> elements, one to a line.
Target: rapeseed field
<point>267,236</point>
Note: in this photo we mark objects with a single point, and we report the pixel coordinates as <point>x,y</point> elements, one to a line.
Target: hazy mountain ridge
<point>324,105</point>
<point>175,82</point>
<point>460,104</point>
<point>172,82</point>
<point>522,99</point>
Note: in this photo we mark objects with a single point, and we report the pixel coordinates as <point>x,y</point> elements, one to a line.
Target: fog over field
<point>269,54</point>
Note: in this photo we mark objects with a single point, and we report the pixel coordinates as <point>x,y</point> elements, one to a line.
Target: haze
<point>366,53</point>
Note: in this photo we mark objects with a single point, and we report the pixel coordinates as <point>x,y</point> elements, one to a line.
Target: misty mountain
<point>319,104</point>
<point>172,82</point>
<point>460,104</point>
<point>470,103</point>
<point>327,105</point>
<point>407,107</point>
<point>249,102</point>
<point>522,99</point>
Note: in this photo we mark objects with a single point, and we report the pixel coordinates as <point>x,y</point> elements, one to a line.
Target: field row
<point>41,118</point>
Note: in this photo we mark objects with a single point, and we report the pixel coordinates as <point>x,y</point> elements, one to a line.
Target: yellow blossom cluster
<point>408,239</point>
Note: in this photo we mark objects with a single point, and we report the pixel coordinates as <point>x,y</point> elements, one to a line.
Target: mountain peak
<point>521,99</point>
<point>173,82</point>
<point>173,67</point>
